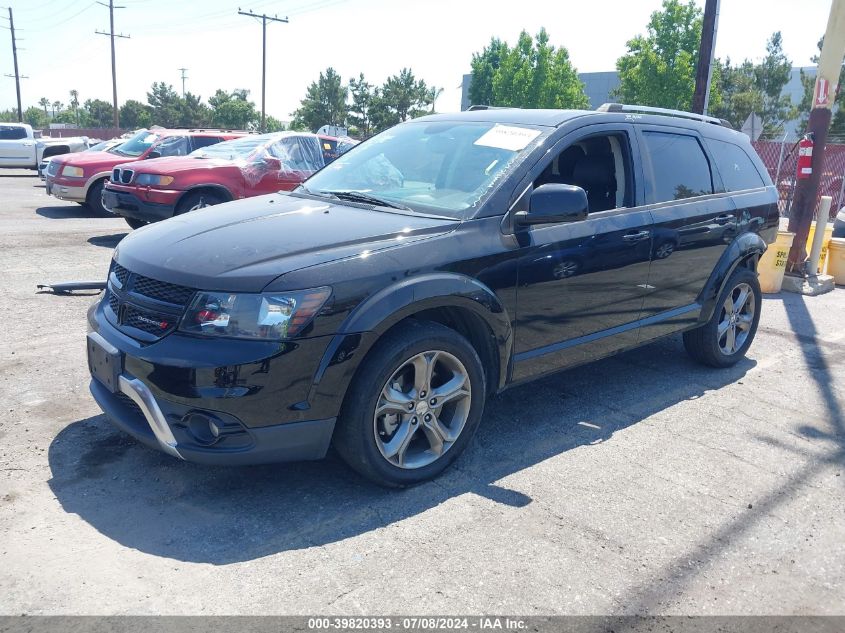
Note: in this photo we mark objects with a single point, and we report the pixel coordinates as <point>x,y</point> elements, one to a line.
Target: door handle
<point>636,237</point>
<point>724,219</point>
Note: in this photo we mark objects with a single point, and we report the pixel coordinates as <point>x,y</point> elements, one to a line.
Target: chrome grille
<point>122,176</point>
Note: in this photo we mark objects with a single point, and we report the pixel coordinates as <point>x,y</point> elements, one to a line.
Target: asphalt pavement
<point>642,483</point>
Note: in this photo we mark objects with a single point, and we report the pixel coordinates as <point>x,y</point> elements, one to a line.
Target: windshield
<point>136,145</point>
<point>443,168</point>
<point>236,149</point>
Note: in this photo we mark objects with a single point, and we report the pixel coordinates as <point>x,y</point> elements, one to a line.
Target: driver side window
<point>173,146</point>
<point>600,165</point>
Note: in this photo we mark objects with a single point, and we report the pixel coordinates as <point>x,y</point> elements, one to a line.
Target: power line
<point>112,35</point>
<point>264,17</point>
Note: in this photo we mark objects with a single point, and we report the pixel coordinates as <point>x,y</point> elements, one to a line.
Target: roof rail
<point>481,106</point>
<point>620,107</point>
<point>211,129</point>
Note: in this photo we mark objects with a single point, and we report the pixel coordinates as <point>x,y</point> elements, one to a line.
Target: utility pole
<point>15,58</point>
<point>184,70</point>
<point>112,35</point>
<point>264,18</point>
<point>824,94</point>
<point>706,50</point>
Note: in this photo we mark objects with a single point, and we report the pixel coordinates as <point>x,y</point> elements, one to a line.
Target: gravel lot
<point>639,484</point>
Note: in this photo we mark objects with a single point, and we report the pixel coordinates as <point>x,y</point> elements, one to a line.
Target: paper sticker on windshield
<point>507,137</point>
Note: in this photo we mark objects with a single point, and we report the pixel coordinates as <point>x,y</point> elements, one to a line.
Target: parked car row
<point>159,173</point>
<point>378,304</point>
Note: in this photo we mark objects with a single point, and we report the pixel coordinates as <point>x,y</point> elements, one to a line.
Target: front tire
<point>726,337</point>
<point>196,201</point>
<point>413,406</point>
<point>135,224</point>
<point>94,199</point>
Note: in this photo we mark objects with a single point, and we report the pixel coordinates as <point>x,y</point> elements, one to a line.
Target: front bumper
<point>65,191</point>
<point>130,205</point>
<point>141,417</point>
<point>216,401</point>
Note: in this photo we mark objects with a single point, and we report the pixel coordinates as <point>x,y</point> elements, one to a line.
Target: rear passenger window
<point>173,146</point>
<point>679,167</point>
<point>12,133</point>
<point>204,141</point>
<point>735,166</point>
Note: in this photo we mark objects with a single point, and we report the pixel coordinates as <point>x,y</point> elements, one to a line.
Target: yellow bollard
<point>836,263</point>
<point>828,233</point>
<point>772,264</point>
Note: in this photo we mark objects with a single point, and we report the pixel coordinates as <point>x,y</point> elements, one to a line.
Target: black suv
<point>376,307</point>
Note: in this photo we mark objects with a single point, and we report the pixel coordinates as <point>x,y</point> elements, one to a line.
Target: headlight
<point>72,172</point>
<point>270,316</point>
<point>152,180</point>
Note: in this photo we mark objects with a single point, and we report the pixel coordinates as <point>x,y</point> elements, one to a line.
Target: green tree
<point>358,116</point>
<point>74,104</point>
<point>98,113</point>
<point>165,104</point>
<point>36,117</point>
<point>659,67</point>
<point>324,102</point>
<point>44,103</point>
<point>274,125</point>
<point>193,112</point>
<point>57,107</point>
<point>531,74</point>
<point>233,110</point>
<point>134,114</point>
<point>484,67</point>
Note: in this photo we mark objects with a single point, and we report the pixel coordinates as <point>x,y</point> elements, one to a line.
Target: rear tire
<point>726,337</point>
<point>429,384</point>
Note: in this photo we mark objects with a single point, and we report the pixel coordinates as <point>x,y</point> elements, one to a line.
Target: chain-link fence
<point>780,159</point>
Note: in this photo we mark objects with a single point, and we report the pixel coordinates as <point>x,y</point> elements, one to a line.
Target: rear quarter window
<point>204,141</point>
<point>680,168</point>
<point>735,166</point>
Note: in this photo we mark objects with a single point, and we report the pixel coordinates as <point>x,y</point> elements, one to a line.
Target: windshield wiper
<point>360,196</point>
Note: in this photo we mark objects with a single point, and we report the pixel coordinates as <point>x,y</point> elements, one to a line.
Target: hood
<point>169,165</point>
<point>94,161</point>
<point>244,245</point>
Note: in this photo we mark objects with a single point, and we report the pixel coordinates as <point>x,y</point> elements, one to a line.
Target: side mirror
<point>554,204</point>
<point>154,154</point>
<point>272,163</point>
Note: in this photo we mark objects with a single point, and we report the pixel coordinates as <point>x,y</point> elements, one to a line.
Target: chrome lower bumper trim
<point>143,397</point>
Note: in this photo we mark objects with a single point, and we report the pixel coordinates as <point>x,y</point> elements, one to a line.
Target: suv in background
<point>380,304</point>
<point>80,177</point>
<point>244,167</point>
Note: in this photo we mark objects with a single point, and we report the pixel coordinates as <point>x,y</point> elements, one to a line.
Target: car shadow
<point>148,501</point>
<point>107,241</point>
<point>70,211</point>
<point>34,174</point>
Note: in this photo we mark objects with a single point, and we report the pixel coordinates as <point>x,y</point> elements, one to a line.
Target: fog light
<point>203,428</point>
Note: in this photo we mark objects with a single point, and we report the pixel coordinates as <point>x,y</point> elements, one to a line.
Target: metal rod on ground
<point>706,50</point>
<point>818,236</point>
<point>827,77</point>
<point>264,18</point>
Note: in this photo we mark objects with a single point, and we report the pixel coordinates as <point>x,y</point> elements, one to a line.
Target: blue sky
<point>435,38</point>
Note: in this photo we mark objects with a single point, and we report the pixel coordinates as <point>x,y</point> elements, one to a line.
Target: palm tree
<point>74,103</point>
<point>44,103</point>
<point>57,107</point>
